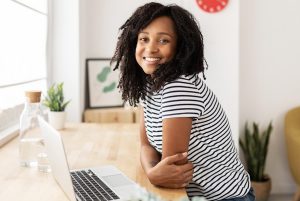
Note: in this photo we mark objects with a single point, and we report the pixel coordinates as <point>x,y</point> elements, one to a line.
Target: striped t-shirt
<point>218,171</point>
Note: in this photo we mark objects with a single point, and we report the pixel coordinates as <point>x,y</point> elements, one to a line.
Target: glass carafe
<point>31,143</point>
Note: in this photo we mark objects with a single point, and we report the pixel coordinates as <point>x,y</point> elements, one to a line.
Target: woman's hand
<point>168,173</point>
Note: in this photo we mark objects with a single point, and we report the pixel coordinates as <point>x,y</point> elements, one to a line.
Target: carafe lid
<point>33,96</point>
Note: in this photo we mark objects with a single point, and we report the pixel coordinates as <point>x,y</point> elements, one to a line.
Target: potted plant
<point>56,103</point>
<point>255,148</point>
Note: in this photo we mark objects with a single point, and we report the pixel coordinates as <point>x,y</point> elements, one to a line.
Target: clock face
<point>212,6</point>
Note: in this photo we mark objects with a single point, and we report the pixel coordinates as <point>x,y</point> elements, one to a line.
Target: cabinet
<point>111,115</point>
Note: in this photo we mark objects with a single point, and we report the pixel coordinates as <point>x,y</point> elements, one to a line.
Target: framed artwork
<point>102,84</point>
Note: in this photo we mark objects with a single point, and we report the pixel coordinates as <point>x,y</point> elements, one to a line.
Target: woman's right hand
<point>171,173</point>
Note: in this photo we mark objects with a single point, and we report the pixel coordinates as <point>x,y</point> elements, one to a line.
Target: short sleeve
<point>181,98</point>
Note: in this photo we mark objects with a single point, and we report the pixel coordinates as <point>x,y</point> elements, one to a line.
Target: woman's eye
<point>163,41</point>
<point>143,39</point>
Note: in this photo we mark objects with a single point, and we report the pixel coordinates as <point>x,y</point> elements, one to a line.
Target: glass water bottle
<point>31,143</point>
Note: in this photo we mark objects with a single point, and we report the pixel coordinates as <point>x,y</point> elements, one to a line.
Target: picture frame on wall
<point>102,84</point>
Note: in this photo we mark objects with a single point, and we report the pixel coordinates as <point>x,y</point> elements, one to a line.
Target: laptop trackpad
<point>116,180</point>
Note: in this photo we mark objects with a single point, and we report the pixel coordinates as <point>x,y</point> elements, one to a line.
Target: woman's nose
<point>152,47</point>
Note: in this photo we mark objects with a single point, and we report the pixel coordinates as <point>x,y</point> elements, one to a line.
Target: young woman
<point>185,134</point>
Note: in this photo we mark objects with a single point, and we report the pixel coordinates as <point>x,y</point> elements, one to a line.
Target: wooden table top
<point>86,145</point>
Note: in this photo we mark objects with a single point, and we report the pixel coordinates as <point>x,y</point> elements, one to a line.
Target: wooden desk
<point>87,145</point>
<point>112,115</point>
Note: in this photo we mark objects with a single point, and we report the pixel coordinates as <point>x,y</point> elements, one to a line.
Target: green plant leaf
<point>64,105</point>
<point>55,98</point>
<point>255,149</point>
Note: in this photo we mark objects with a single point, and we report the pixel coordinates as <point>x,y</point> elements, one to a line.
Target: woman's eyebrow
<point>165,33</point>
<point>159,33</point>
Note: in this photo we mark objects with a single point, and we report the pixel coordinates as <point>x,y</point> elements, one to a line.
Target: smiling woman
<point>156,44</point>
<point>23,57</point>
<point>186,139</point>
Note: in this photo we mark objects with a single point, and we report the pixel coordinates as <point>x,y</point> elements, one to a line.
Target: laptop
<point>101,183</point>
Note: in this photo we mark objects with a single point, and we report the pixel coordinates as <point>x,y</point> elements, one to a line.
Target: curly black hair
<point>188,59</point>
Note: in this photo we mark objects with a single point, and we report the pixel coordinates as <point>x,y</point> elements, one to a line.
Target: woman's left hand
<point>168,174</point>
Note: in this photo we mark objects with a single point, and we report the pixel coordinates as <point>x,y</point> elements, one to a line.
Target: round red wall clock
<point>212,6</point>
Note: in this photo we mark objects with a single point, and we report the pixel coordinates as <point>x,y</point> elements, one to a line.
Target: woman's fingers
<point>184,185</point>
<point>175,158</point>
<point>187,167</point>
<point>189,172</point>
<point>172,175</point>
<point>189,179</point>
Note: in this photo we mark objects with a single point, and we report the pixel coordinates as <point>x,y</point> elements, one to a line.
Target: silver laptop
<point>103,183</point>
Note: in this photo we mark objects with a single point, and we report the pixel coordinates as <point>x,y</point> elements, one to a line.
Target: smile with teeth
<point>151,59</point>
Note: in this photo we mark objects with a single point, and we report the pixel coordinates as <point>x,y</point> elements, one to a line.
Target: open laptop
<point>103,183</point>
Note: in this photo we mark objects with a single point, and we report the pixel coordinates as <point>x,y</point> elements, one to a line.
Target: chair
<point>292,138</point>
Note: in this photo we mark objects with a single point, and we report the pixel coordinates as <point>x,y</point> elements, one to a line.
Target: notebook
<point>103,183</point>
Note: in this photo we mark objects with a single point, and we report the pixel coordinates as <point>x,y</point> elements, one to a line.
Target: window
<point>23,42</point>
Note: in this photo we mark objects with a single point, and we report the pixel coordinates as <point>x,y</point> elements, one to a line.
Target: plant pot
<point>262,189</point>
<point>57,119</point>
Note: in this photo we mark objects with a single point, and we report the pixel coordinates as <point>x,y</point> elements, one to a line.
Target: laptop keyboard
<point>89,187</point>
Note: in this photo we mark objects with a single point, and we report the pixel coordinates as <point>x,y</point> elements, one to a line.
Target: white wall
<point>64,61</point>
<point>221,41</point>
<point>269,75</point>
<point>105,17</point>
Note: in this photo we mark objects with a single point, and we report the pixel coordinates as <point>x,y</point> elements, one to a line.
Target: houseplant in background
<point>255,148</point>
<point>56,103</point>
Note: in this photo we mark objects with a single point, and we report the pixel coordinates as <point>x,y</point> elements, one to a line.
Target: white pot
<point>57,119</point>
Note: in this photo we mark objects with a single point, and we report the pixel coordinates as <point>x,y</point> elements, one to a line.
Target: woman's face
<point>156,44</point>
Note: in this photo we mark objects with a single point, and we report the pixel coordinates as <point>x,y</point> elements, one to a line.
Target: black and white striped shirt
<point>218,171</point>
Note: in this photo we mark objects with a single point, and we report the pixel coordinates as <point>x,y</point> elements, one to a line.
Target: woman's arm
<point>176,136</point>
<point>149,156</point>
<point>166,172</point>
